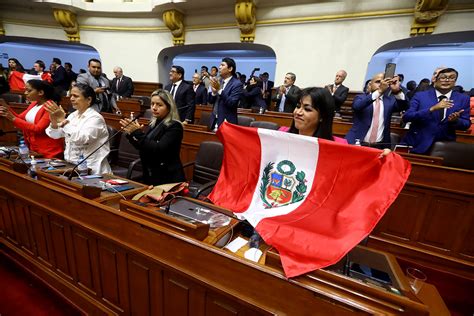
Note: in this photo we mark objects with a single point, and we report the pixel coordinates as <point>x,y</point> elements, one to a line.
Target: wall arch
<point>246,55</point>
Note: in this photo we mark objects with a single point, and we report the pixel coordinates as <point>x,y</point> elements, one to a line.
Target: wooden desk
<point>105,261</point>
<point>430,296</point>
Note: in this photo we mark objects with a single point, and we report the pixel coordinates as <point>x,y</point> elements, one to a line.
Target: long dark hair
<point>46,87</point>
<point>19,67</point>
<point>323,102</point>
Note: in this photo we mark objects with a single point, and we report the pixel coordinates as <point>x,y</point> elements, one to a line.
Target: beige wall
<point>314,49</point>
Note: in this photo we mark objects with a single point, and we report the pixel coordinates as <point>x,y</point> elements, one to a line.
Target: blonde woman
<point>160,143</point>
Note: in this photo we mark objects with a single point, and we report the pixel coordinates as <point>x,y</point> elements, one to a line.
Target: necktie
<point>118,83</point>
<point>375,122</point>
<point>172,89</point>
<point>443,115</point>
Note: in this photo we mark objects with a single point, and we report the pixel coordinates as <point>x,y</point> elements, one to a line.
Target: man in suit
<point>95,79</point>
<point>60,81</point>
<point>121,85</point>
<point>436,114</point>
<point>200,90</point>
<point>267,86</point>
<point>71,75</point>
<point>225,95</point>
<point>287,95</point>
<point>183,94</point>
<point>338,90</point>
<point>373,112</point>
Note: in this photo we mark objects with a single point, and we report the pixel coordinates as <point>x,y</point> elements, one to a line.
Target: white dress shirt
<point>84,134</point>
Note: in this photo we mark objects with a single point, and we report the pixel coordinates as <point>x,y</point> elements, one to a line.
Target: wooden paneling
<point>111,266</point>
<point>85,260</point>
<point>7,209</point>
<point>181,296</point>
<point>400,221</point>
<point>40,231</point>
<point>58,236</point>
<point>141,284</point>
<point>445,215</point>
<point>145,88</point>
<point>20,214</point>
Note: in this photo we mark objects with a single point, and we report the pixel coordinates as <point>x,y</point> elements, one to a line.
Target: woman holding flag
<point>314,114</point>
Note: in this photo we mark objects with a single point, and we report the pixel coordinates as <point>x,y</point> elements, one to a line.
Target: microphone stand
<point>95,150</point>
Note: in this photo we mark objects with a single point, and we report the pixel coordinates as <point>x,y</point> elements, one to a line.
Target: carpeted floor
<point>20,294</point>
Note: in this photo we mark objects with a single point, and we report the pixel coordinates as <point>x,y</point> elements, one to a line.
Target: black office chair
<point>207,167</point>
<point>128,163</point>
<point>205,119</point>
<point>265,124</point>
<point>456,155</point>
<point>394,139</point>
<point>114,144</point>
<point>243,120</point>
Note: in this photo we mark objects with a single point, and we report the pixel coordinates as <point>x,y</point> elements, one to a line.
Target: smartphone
<point>390,70</point>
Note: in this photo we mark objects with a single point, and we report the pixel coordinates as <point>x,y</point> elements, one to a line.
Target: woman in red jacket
<point>34,121</point>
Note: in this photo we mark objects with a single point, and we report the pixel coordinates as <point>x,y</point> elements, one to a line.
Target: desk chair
<point>207,167</point>
<point>243,120</point>
<point>128,161</point>
<point>456,155</point>
<point>265,124</point>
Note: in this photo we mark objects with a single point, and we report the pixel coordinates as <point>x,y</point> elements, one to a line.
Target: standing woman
<point>35,119</point>
<point>15,75</point>
<point>252,94</point>
<point>160,144</point>
<point>84,130</point>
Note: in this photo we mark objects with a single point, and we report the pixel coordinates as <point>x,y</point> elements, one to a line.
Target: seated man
<point>436,114</point>
<point>373,112</point>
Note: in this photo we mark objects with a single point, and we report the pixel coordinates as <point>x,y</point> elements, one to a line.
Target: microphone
<point>95,150</point>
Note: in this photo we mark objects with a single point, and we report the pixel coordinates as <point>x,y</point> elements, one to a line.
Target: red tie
<point>375,122</point>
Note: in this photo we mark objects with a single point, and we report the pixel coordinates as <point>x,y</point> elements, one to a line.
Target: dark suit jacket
<point>201,94</point>
<point>252,97</point>
<point>363,111</point>
<point>340,95</point>
<point>159,149</point>
<point>184,99</point>
<point>60,79</point>
<point>426,127</point>
<point>290,101</point>
<point>228,101</point>
<point>125,88</point>
<point>268,98</point>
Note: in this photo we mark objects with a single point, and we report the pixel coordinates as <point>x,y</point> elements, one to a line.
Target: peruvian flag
<point>18,79</point>
<point>311,199</point>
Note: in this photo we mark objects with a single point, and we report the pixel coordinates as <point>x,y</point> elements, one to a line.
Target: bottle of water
<point>82,166</point>
<point>23,150</point>
<point>261,110</point>
<point>357,142</point>
<point>32,170</point>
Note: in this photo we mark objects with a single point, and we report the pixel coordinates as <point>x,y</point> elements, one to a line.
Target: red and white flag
<point>311,199</point>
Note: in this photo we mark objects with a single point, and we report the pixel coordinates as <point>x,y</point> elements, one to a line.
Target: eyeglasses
<point>447,78</point>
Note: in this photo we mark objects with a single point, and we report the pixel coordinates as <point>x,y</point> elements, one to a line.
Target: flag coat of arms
<point>312,199</point>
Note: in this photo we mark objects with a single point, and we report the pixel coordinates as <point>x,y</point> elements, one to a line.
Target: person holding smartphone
<point>436,114</point>
<point>373,111</point>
